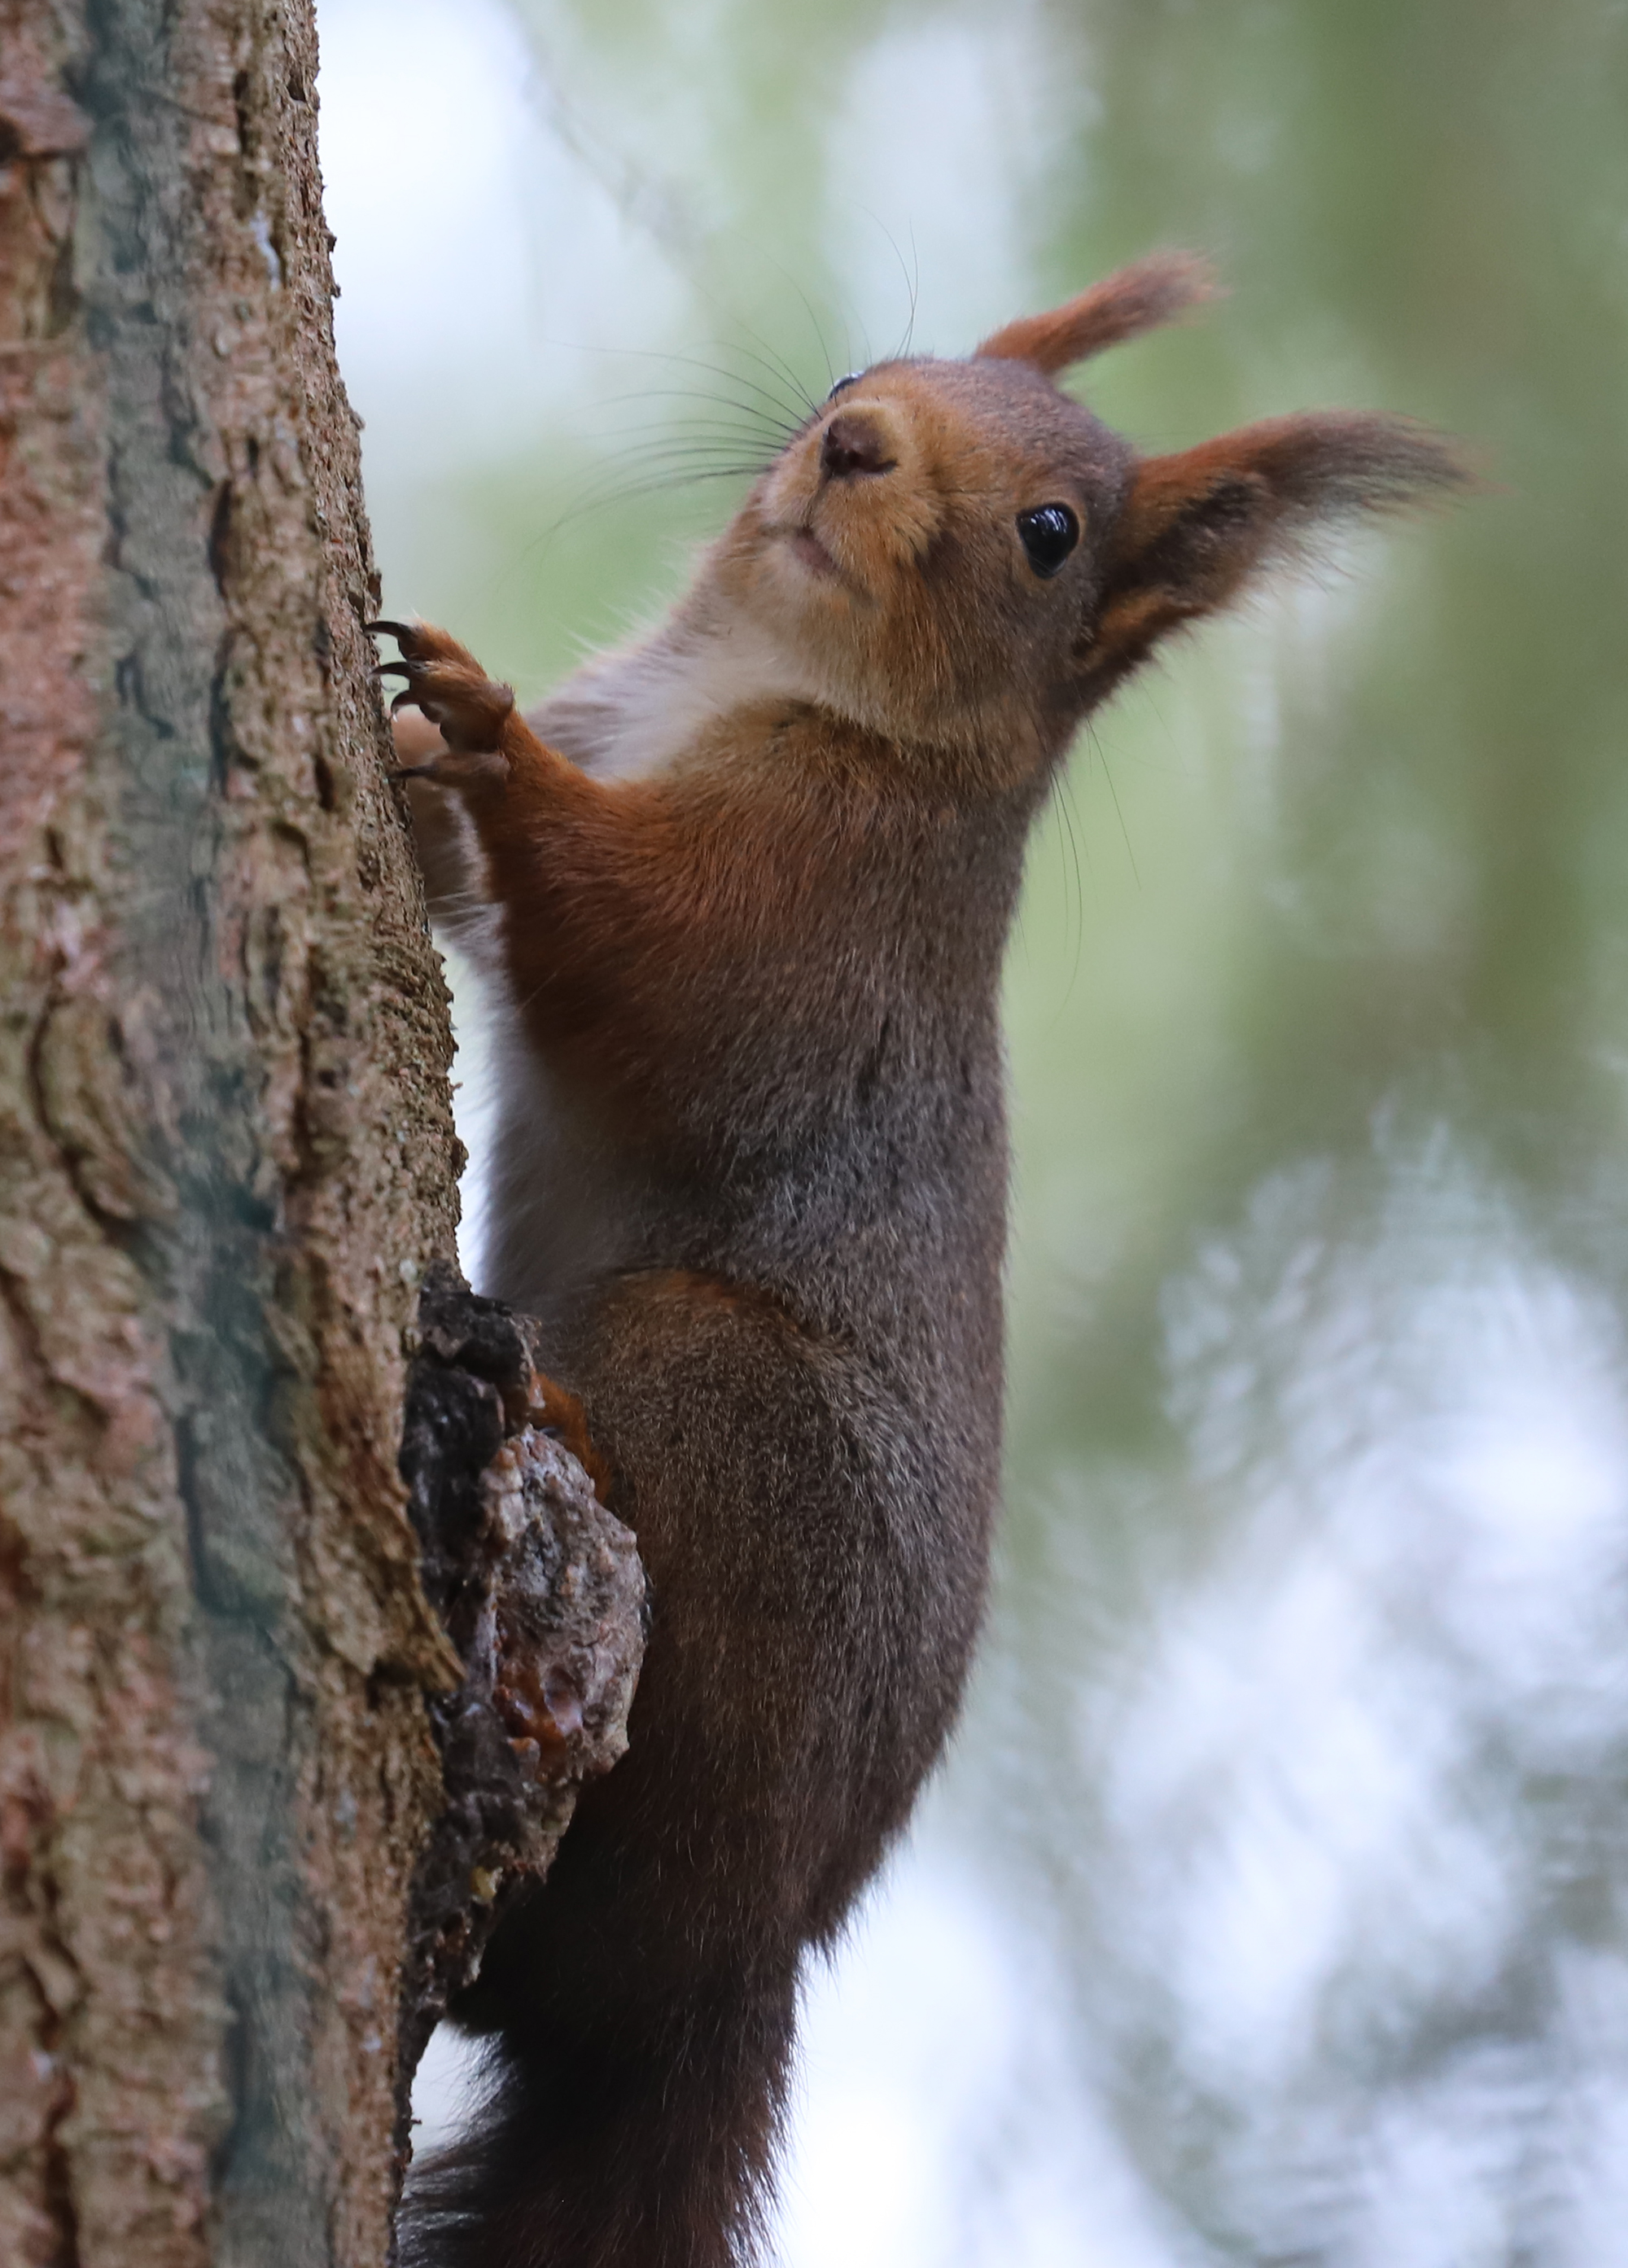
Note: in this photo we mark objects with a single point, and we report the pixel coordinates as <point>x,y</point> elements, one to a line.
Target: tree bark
<point>227,1161</point>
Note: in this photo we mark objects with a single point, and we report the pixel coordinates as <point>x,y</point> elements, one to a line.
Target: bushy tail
<point>643,2145</point>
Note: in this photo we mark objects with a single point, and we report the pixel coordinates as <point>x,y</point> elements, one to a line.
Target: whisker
<point>678,437</point>
<point>776,365</point>
<point>757,431</point>
<point>713,370</point>
<point>655,486</point>
<point>716,400</point>
<point>798,407</point>
<point>1074,910</point>
<point>831,374</point>
<point>1102,758</point>
<point>654,456</point>
<point>903,347</point>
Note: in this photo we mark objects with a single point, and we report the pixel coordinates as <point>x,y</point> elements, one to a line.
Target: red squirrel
<point>741,894</point>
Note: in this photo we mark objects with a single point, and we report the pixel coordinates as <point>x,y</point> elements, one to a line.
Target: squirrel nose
<point>855,443</point>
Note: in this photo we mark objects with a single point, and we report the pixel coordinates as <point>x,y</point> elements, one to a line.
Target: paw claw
<point>447,684</point>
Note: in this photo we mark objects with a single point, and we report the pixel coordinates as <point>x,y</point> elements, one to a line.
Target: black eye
<point>852,379</point>
<point>1047,533</point>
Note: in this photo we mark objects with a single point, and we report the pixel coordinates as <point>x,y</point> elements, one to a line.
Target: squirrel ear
<point>1198,525</point>
<point>1132,299</point>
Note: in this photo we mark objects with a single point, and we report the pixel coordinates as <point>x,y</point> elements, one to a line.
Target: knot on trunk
<point>543,1593</point>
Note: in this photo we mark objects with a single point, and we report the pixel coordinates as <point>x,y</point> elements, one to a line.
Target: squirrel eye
<point>1047,533</point>
<point>852,379</point>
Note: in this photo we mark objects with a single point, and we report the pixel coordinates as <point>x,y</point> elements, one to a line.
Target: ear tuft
<point>1335,464</point>
<point>1132,299</point>
<point>1197,525</point>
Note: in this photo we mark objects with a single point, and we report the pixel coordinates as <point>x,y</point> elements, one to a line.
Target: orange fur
<point>556,1411</point>
<point>1132,300</point>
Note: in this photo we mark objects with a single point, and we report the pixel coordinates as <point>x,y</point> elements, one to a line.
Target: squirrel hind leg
<point>652,2148</point>
<point>558,1412</point>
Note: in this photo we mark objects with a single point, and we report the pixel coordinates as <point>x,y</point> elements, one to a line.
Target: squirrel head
<point>959,553</point>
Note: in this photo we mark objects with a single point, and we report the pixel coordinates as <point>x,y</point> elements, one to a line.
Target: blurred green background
<point>1272,1908</point>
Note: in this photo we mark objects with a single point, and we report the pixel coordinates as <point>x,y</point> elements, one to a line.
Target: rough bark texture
<point>226,1158</point>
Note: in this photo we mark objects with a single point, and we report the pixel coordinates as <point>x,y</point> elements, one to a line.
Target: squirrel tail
<point>646,2145</point>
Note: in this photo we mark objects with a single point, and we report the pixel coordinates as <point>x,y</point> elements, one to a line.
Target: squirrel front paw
<point>446,683</point>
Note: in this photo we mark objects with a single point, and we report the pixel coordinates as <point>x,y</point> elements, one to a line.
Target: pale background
<point>1271,1909</point>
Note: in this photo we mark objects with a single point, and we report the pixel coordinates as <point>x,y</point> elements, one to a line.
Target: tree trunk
<point>226,1159</point>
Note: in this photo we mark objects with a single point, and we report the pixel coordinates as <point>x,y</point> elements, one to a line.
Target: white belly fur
<point>546,1208</point>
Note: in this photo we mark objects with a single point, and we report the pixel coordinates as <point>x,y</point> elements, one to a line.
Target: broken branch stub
<point>543,1593</point>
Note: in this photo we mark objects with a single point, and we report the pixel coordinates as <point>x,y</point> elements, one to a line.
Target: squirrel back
<point>742,897</point>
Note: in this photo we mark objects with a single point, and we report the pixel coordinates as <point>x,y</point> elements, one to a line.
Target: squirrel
<point>741,894</point>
